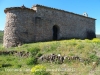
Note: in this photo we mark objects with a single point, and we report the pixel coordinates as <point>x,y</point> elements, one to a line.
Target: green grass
<point>87,49</point>
<point>1,36</point>
<point>1,40</point>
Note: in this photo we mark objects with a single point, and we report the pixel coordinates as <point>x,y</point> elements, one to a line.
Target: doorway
<point>55,32</point>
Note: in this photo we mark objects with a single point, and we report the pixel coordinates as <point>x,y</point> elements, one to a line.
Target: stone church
<point>42,23</point>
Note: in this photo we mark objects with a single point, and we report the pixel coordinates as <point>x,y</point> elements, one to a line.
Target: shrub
<point>96,40</point>
<point>33,57</point>
<point>33,50</point>
<point>31,61</point>
<point>39,70</point>
<point>93,57</point>
<point>39,54</point>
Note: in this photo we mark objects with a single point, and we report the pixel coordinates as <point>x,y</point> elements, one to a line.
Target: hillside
<point>20,60</point>
<point>79,57</point>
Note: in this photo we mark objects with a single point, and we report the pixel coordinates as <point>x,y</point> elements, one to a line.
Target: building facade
<point>41,23</point>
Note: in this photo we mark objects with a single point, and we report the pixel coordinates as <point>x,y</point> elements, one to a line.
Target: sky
<point>91,7</point>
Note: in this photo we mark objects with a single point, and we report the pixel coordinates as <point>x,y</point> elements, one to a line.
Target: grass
<point>87,49</point>
<point>83,48</point>
<point>1,36</point>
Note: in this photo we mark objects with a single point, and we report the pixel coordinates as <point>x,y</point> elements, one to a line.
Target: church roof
<point>37,5</point>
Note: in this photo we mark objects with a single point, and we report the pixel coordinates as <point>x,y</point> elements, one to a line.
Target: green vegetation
<point>15,64</point>
<point>1,39</point>
<point>1,36</point>
<point>87,49</point>
<point>39,70</point>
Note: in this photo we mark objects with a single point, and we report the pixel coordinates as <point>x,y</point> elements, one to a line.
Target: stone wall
<point>24,25</point>
<point>19,27</point>
<point>70,25</point>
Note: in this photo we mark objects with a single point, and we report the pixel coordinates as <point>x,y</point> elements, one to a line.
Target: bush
<point>93,57</point>
<point>31,61</point>
<point>39,70</point>
<point>39,54</point>
<point>33,50</point>
<point>96,40</point>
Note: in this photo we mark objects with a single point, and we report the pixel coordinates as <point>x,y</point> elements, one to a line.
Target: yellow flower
<point>38,68</point>
<point>96,40</point>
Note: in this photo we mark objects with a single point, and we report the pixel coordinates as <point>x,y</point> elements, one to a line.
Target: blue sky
<point>92,7</point>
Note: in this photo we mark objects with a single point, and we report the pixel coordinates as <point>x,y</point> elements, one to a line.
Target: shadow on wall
<point>91,35</point>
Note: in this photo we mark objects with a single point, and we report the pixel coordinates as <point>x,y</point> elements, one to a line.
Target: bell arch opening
<point>55,32</point>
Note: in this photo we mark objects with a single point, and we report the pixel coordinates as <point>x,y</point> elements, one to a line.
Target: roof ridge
<point>38,5</point>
